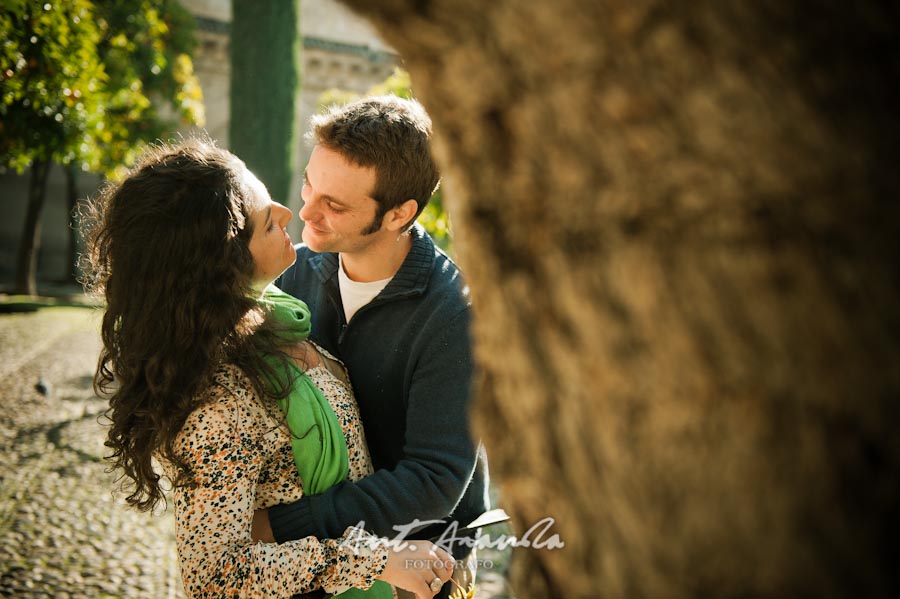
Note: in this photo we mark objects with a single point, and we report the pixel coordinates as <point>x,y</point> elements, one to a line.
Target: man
<point>393,308</point>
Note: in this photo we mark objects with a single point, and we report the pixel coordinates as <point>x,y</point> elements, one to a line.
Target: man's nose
<point>307,210</point>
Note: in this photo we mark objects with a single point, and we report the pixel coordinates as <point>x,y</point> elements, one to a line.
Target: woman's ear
<point>397,218</point>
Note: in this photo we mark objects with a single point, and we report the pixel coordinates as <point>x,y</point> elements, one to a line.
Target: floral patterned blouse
<point>242,461</point>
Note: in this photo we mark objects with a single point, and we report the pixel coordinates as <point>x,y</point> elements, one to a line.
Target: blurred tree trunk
<point>72,203</point>
<point>30,244</point>
<point>679,222</point>
<point>265,88</point>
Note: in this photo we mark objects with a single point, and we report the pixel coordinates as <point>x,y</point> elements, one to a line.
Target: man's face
<point>338,210</point>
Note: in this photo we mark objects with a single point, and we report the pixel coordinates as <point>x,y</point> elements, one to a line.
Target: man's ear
<point>397,218</point>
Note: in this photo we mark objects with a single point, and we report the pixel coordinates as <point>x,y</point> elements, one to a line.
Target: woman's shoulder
<point>333,366</point>
<point>229,400</point>
<point>233,379</point>
<point>228,425</point>
<point>324,351</point>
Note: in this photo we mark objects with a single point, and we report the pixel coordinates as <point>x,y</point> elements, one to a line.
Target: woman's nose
<point>284,214</point>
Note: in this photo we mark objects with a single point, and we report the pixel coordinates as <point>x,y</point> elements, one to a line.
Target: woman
<point>201,361</point>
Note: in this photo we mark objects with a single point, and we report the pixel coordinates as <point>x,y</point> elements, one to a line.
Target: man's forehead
<point>330,173</point>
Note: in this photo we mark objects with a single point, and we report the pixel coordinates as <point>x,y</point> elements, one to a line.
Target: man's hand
<point>261,531</point>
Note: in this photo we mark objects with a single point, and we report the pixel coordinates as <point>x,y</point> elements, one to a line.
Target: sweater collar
<point>412,277</point>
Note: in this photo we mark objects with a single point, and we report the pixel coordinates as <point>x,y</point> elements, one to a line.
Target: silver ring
<point>436,585</point>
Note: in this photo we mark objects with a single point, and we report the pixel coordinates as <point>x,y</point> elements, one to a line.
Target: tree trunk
<point>679,222</point>
<point>72,202</point>
<point>265,87</point>
<point>29,246</point>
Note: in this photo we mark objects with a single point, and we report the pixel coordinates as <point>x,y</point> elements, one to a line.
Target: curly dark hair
<point>168,248</point>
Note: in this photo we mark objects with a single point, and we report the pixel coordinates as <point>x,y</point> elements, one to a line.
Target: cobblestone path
<point>63,534</point>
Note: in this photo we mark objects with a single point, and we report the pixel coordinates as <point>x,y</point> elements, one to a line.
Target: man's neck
<point>377,262</point>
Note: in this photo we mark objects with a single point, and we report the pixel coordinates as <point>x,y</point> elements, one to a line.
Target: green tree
<point>82,85</point>
<point>265,85</point>
<point>434,218</point>
<point>52,101</point>
<point>146,48</point>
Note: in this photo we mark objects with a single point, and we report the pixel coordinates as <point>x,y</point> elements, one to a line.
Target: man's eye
<point>336,208</point>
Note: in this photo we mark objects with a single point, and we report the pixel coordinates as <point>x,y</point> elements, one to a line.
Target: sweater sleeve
<point>225,449</point>
<point>439,454</point>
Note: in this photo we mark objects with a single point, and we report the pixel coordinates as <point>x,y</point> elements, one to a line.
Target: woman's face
<point>270,244</point>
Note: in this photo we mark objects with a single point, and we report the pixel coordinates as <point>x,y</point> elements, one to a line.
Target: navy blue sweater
<point>408,353</point>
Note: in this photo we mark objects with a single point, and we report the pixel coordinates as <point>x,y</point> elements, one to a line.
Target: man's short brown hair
<point>391,135</point>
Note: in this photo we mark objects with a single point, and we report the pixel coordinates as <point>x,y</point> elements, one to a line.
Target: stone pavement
<point>63,534</point>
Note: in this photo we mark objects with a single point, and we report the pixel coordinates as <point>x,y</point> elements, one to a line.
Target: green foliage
<point>265,85</point>
<point>145,47</point>
<point>398,84</point>
<point>437,222</point>
<point>434,218</point>
<point>52,102</point>
<point>87,81</point>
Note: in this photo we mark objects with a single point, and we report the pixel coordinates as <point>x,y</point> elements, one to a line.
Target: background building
<point>340,50</point>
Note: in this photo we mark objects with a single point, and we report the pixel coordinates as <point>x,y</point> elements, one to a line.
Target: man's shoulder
<point>447,281</point>
<point>426,255</point>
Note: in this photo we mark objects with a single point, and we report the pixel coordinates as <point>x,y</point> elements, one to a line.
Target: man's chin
<point>314,242</point>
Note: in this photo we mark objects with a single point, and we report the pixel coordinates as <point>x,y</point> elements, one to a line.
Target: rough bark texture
<point>679,222</point>
<point>72,272</point>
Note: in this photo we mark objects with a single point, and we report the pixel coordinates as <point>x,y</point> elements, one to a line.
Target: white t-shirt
<point>356,295</point>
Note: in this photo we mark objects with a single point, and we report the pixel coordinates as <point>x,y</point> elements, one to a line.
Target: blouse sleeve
<point>223,444</point>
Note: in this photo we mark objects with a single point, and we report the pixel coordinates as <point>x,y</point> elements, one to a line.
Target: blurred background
<point>87,83</point>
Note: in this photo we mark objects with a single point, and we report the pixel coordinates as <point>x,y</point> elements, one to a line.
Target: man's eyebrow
<point>325,196</point>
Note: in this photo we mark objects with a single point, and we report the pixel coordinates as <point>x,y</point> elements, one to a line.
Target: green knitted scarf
<point>317,440</point>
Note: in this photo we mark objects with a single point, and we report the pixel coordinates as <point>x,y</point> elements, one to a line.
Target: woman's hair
<point>169,249</point>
